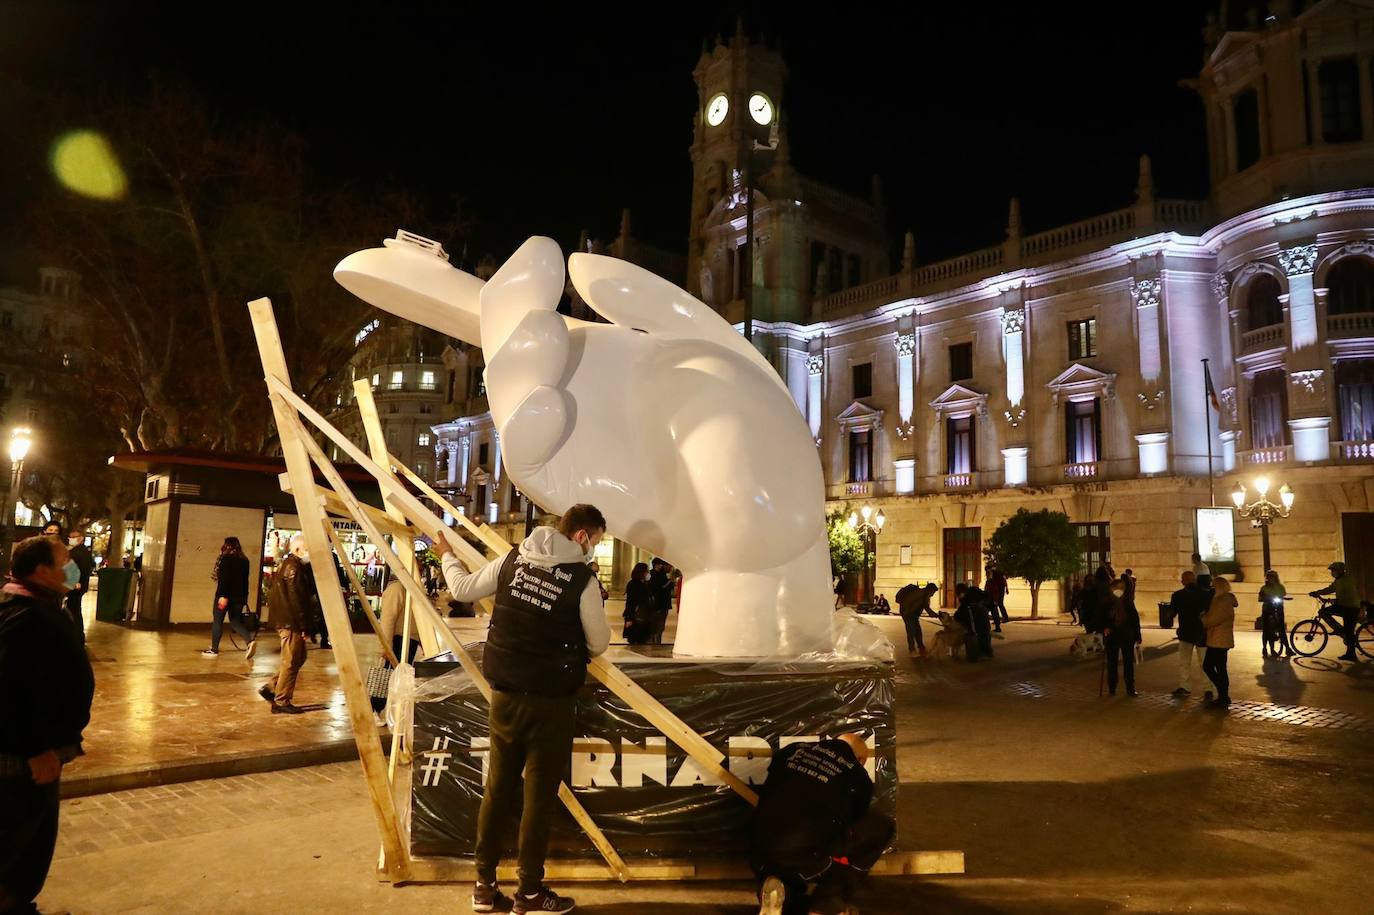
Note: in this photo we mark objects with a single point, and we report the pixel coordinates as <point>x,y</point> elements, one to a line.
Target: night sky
<point>552,121</point>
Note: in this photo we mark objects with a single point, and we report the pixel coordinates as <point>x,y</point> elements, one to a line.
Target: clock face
<point>760,108</point>
<point>716,109</point>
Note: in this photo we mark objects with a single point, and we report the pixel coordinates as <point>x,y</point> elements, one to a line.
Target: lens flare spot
<point>85,162</point>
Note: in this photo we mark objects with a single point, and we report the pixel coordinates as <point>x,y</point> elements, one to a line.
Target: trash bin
<point>114,593</point>
<point>1166,615</point>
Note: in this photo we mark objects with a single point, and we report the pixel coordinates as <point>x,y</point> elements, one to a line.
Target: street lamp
<point>1262,512</point>
<point>20,440</point>
<point>869,529</point>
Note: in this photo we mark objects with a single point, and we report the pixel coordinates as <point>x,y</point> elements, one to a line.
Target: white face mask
<point>75,541</point>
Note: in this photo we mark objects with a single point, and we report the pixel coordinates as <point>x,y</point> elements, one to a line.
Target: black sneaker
<point>1349,656</point>
<point>267,693</point>
<point>1181,692</point>
<point>487,897</point>
<point>1207,697</point>
<point>546,900</point>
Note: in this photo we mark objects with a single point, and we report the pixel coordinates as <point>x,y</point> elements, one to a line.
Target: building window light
<point>424,438</point>
<point>397,378</point>
<point>427,381</point>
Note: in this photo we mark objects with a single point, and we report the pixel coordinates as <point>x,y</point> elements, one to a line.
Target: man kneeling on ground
<point>548,620</point>
<point>813,825</point>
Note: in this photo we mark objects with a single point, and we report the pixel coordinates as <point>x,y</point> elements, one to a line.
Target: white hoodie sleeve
<point>594,626</point>
<point>470,587</point>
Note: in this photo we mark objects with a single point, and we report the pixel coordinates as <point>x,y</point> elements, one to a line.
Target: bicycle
<point>1309,637</point>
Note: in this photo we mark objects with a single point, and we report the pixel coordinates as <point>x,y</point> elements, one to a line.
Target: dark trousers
<point>912,622</point>
<point>28,834</point>
<point>72,600</point>
<point>999,615</point>
<point>533,734</point>
<point>836,881</point>
<point>396,649</point>
<point>1126,649</point>
<point>1342,620</point>
<point>235,623</point>
<point>1275,629</point>
<point>1214,666</point>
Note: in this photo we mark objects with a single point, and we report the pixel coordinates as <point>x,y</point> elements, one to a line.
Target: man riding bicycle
<point>1345,610</point>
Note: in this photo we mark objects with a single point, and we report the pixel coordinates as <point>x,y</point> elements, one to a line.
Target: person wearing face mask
<point>547,622</point>
<point>290,613</point>
<point>1120,636</point>
<point>46,686</point>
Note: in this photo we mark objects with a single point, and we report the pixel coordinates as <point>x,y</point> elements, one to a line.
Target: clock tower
<point>739,94</point>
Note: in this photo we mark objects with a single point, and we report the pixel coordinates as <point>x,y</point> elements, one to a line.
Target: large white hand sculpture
<point>666,419</point>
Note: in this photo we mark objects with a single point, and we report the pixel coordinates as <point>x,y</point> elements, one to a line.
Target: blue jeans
<point>217,629</point>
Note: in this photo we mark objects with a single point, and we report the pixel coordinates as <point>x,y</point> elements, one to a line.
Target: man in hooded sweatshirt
<point>548,621</point>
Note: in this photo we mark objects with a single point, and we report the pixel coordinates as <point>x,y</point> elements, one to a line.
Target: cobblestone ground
<point>1062,801</point>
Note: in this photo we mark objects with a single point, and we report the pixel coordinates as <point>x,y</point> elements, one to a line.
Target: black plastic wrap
<point>619,760</point>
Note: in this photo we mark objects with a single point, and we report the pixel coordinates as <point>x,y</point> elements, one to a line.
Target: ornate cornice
<point>1298,260</point>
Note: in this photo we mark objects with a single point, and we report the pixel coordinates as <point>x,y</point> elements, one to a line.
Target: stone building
<point>1064,368</point>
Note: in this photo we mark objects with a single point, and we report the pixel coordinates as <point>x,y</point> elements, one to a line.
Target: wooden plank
<point>673,727</point>
<point>376,444</point>
<point>425,520</point>
<point>613,861</point>
<point>358,590</point>
<point>313,519</point>
<point>893,864</point>
<point>492,540</point>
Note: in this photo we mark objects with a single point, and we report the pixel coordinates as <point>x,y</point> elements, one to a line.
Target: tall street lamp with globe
<point>869,529</point>
<point>21,438</point>
<point>1262,512</point>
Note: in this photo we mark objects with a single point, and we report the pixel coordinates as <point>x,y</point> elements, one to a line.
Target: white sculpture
<point>666,419</point>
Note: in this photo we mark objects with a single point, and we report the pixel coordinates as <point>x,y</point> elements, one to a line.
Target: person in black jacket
<point>639,606</point>
<point>547,622</point>
<point>46,686</point>
<point>231,597</point>
<point>813,824</point>
<point>1120,635</point>
<point>291,613</point>
<point>1189,603</point>
<point>974,607</point>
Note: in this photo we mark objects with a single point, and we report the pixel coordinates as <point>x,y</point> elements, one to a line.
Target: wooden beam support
<point>490,539</point>
<point>358,590</point>
<point>579,813</point>
<point>313,520</point>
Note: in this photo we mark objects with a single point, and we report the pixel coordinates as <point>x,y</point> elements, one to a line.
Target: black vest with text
<point>535,643</point>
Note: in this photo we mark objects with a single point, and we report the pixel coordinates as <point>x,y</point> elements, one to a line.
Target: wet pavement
<point>1061,800</point>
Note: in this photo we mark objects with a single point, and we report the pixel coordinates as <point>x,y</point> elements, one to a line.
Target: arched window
<point>1262,302</point>
<point>1350,286</point>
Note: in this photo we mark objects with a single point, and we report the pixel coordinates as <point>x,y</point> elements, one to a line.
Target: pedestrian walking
<point>1345,610</point>
<point>1201,572</point>
<point>231,598</point>
<point>46,687</point>
<point>839,592</point>
<point>1274,641</point>
<point>912,601</point>
<point>1076,598</point>
<point>1189,603</point>
<point>81,556</point>
<point>996,589</point>
<point>1220,623</point>
<point>290,613</point>
<point>1120,636</point>
<point>548,620</point>
<point>973,615</point>
<point>814,825</point>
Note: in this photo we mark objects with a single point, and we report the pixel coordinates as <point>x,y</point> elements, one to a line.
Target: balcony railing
<point>1354,452</point>
<point>859,489</point>
<point>1084,470</point>
<point>958,481</point>
<point>1279,455</point>
<point>1263,338</point>
<point>1360,324</point>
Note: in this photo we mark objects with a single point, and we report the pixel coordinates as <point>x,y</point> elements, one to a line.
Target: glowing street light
<point>869,527</point>
<point>1262,512</point>
<point>21,439</point>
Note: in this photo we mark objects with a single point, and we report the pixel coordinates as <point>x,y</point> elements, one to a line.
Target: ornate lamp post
<point>870,529</point>
<point>21,439</point>
<point>1262,512</point>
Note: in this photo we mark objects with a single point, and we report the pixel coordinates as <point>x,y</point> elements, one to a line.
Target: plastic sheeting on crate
<point>648,796</point>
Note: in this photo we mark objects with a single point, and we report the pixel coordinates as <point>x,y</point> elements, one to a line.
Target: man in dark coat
<point>1189,603</point>
<point>813,824</point>
<point>46,686</point>
<point>912,601</point>
<point>80,554</point>
<point>974,606</point>
<point>996,589</point>
<point>289,611</point>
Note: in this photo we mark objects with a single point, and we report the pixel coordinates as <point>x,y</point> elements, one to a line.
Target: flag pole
<point>1207,423</point>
